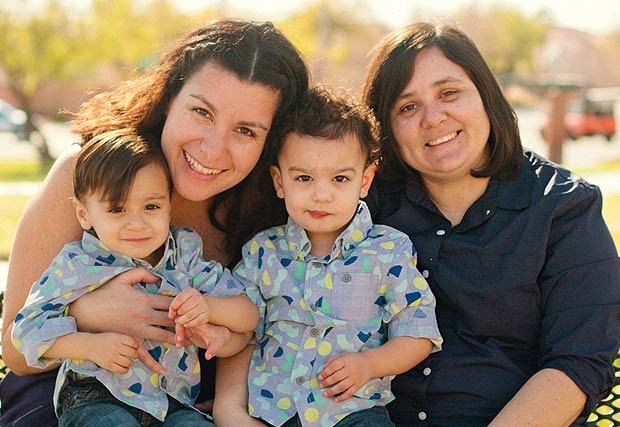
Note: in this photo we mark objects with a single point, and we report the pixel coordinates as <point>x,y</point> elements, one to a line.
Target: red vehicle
<point>590,117</point>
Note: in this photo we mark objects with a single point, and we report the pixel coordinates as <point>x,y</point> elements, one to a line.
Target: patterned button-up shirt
<point>365,291</point>
<point>85,265</point>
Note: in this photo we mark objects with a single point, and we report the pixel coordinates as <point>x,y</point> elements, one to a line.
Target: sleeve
<point>409,302</point>
<point>208,277</point>
<point>43,318</point>
<point>580,288</point>
<point>247,272</point>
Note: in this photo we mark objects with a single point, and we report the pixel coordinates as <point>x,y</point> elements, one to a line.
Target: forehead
<point>316,151</point>
<point>432,68</point>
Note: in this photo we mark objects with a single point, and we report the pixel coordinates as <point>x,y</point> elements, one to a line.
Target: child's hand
<point>189,308</point>
<point>112,351</point>
<point>210,337</point>
<point>344,374</point>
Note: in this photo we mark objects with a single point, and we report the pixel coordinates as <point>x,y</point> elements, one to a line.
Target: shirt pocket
<point>353,297</point>
<point>498,297</point>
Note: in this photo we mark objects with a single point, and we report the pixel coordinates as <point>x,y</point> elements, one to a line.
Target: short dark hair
<point>326,113</point>
<point>107,165</point>
<point>390,71</point>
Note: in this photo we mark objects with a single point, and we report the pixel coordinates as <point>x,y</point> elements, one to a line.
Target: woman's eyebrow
<point>243,123</point>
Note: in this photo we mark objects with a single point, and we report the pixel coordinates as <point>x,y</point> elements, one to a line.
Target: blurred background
<point>558,62</point>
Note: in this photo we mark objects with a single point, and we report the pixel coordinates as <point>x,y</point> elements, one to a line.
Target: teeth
<point>198,167</point>
<point>441,140</point>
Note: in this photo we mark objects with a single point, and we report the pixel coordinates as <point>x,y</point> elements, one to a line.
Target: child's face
<point>137,228</point>
<point>321,182</point>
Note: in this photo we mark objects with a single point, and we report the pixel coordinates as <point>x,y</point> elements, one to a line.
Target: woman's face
<point>215,131</point>
<point>439,121</point>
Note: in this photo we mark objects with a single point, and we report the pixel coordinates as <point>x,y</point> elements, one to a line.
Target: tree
<point>33,49</point>
<point>505,36</point>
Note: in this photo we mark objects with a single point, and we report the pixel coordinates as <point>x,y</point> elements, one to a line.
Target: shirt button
<point>425,274</point>
<point>164,382</point>
<point>427,371</point>
<point>422,415</point>
<point>314,332</point>
<point>346,277</point>
<point>441,232</point>
<point>299,380</point>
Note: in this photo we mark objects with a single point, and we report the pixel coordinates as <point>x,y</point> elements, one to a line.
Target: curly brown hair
<point>324,112</point>
<point>255,52</point>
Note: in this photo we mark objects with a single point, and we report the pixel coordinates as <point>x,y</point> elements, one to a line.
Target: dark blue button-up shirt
<point>529,279</point>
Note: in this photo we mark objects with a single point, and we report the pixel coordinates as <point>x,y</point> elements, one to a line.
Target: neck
<point>453,198</point>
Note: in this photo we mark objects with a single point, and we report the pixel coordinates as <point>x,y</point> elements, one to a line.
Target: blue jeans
<point>373,417</point>
<point>87,402</point>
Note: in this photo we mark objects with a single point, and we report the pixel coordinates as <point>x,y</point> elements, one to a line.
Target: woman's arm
<point>48,223</point>
<point>548,398</point>
<point>230,408</point>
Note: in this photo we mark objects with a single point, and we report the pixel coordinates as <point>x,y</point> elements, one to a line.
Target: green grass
<point>11,208</point>
<point>17,171</point>
<point>611,212</point>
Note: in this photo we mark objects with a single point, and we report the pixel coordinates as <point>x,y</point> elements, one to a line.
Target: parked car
<point>588,117</point>
<point>12,119</point>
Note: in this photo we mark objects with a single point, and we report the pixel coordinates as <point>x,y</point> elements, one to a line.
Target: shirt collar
<point>509,194</point>
<point>104,256</point>
<point>345,243</point>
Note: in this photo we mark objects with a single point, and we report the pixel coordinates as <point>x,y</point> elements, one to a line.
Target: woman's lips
<point>196,166</point>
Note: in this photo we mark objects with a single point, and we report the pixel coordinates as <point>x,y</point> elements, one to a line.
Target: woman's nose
<point>213,143</point>
<point>434,115</point>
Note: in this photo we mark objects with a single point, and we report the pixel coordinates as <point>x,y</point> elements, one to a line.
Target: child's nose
<point>136,221</point>
<point>322,193</point>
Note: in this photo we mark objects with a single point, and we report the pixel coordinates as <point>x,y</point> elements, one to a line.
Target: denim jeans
<point>87,402</point>
<point>373,417</point>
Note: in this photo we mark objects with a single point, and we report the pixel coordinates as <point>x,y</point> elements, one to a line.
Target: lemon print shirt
<point>355,298</point>
<point>85,265</point>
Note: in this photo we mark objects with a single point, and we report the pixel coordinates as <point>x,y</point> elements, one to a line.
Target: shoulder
<point>270,238</point>
<point>386,239</point>
<point>551,183</point>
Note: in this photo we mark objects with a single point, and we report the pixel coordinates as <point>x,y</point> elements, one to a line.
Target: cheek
<point>245,157</point>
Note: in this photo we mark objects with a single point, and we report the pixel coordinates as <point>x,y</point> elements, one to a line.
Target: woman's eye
<point>303,178</point>
<point>203,112</point>
<point>448,93</point>
<point>151,207</point>
<point>246,131</point>
<point>408,107</point>
<point>341,178</point>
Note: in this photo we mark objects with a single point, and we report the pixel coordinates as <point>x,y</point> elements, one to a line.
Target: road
<point>583,153</point>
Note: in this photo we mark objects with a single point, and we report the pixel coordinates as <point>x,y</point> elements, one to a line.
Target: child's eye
<point>303,178</point>
<point>151,207</point>
<point>341,178</point>
<point>116,209</point>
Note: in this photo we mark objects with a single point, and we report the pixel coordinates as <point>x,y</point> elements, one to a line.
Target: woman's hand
<point>118,307</point>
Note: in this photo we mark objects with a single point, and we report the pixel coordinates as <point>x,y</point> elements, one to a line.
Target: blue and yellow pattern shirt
<point>84,266</point>
<point>353,299</point>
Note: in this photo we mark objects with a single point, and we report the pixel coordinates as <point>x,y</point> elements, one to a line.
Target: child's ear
<point>369,174</point>
<point>81,213</point>
<point>276,176</point>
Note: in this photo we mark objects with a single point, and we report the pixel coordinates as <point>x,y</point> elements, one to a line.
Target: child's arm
<point>346,373</point>
<point>191,309</point>
<point>111,351</point>
<point>218,340</point>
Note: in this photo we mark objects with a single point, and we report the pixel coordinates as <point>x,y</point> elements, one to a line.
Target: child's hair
<point>107,165</point>
<point>324,113</point>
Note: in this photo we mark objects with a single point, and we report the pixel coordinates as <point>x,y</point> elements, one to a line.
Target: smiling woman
<point>515,248</point>
<point>214,101</point>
